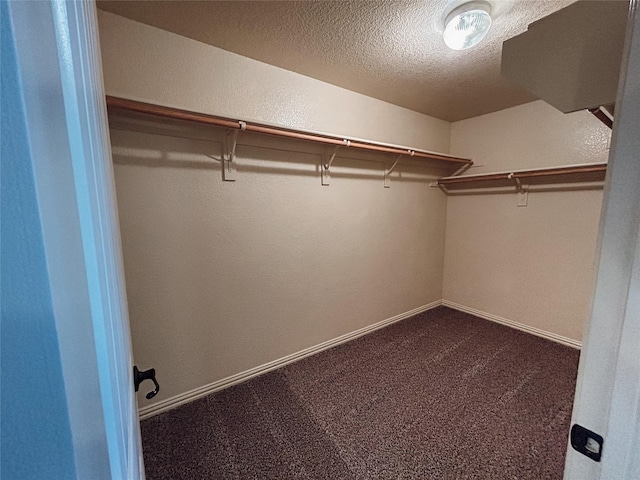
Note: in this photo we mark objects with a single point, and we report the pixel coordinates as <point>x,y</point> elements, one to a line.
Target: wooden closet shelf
<point>567,174</point>
<point>177,114</point>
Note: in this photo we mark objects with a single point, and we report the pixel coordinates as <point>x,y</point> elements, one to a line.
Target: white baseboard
<point>176,401</point>
<point>513,324</point>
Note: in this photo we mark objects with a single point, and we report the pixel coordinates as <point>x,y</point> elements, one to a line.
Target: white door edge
<point>58,55</point>
<point>607,398</point>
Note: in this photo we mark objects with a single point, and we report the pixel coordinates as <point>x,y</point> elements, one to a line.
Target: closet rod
<point>600,168</point>
<point>174,113</point>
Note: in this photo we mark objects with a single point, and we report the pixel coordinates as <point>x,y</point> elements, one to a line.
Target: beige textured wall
<point>533,265</point>
<point>223,277</point>
<point>148,64</point>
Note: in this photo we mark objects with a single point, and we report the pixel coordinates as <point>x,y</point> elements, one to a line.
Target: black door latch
<point>586,442</point>
<point>139,377</point>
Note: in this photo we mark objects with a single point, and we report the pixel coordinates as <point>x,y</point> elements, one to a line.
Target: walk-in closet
<point>331,281</point>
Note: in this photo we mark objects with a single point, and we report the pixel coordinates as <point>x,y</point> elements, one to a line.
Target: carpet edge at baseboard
<point>186,397</point>
<point>569,342</point>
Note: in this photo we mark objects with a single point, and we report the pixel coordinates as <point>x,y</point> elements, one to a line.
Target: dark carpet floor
<point>442,395</point>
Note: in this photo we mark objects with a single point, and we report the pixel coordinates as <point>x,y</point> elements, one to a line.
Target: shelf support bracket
<point>444,189</point>
<point>521,190</point>
<point>228,163</point>
<point>387,173</point>
<point>326,165</point>
<point>462,169</point>
<point>519,187</point>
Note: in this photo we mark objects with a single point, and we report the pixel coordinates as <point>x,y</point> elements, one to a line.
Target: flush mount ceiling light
<point>467,24</point>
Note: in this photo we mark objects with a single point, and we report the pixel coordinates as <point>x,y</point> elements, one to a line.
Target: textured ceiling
<point>390,50</point>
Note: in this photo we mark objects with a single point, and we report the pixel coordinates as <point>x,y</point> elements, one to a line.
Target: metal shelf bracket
<point>228,164</point>
<point>521,190</point>
<point>326,165</point>
<point>519,187</point>
<point>387,173</point>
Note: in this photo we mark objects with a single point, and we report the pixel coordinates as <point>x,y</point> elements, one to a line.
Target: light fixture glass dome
<point>467,25</point>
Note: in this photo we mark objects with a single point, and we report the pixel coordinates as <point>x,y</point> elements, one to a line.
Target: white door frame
<point>59,65</point>
<point>607,398</point>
